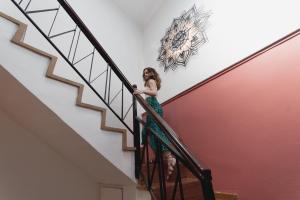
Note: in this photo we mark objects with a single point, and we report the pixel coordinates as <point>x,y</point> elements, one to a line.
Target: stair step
<point>191,185</point>
<point>226,196</point>
<point>191,189</point>
<point>184,172</point>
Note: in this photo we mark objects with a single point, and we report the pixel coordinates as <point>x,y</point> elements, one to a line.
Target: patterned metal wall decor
<point>183,38</point>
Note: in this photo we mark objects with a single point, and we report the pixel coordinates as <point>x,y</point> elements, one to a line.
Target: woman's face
<point>146,74</point>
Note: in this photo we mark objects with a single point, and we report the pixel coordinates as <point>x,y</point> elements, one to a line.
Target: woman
<point>152,85</point>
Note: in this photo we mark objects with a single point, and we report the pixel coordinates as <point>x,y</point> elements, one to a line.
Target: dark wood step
<point>184,172</point>
<point>191,189</point>
<point>191,185</point>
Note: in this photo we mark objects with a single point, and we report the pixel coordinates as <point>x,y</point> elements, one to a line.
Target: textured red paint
<point>245,125</point>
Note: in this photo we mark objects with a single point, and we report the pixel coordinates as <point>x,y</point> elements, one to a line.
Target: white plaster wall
<point>111,193</point>
<point>30,170</point>
<point>30,68</point>
<point>236,30</point>
<point>115,192</point>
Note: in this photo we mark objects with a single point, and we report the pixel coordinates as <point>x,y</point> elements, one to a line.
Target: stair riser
<point>191,191</point>
<point>184,172</point>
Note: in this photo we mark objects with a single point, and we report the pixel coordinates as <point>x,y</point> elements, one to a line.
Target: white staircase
<point>75,129</point>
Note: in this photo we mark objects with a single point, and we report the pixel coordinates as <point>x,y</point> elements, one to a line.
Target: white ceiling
<point>140,11</point>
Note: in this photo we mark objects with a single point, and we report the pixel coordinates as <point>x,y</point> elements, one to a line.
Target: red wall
<point>245,125</point>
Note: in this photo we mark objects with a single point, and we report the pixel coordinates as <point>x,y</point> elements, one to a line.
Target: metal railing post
<point>207,186</point>
<point>136,131</point>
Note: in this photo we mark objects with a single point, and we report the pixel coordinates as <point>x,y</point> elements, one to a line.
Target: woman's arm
<point>151,89</point>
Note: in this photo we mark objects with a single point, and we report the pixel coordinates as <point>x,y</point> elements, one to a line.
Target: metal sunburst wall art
<point>183,38</point>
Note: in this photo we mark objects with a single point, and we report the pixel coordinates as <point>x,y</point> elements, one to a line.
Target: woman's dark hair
<point>152,75</point>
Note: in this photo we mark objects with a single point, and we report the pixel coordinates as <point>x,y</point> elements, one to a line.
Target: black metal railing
<point>184,160</point>
<point>91,63</point>
<point>102,81</point>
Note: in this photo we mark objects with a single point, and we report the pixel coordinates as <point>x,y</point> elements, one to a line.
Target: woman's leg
<point>171,162</point>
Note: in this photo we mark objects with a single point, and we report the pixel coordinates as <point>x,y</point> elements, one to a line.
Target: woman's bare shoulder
<point>151,81</point>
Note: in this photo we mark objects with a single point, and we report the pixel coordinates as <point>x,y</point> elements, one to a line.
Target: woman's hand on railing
<point>137,91</point>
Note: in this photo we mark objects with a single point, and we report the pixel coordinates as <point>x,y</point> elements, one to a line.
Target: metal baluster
<point>115,96</point>
<point>122,104</point>
<point>147,157</point>
<point>163,170</point>
<point>127,111</point>
<point>142,158</point>
<point>40,11</point>
<point>106,83</point>
<point>162,185</point>
<point>180,183</point>
<point>53,21</point>
<point>153,170</point>
<point>62,33</point>
<point>98,76</point>
<point>175,187</point>
<point>109,84</point>
<point>72,42</point>
<point>76,47</point>
<point>179,180</point>
<point>206,184</point>
<point>92,62</point>
<point>137,142</point>
<point>28,5</point>
<point>81,59</point>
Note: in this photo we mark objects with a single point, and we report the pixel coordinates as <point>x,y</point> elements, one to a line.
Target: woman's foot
<point>171,161</point>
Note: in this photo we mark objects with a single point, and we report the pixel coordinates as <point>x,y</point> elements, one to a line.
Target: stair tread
<point>189,183</point>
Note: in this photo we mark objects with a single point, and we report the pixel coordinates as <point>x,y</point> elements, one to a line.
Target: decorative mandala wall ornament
<point>183,38</point>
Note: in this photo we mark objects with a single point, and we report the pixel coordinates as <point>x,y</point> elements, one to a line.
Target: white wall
<point>236,30</point>
<point>30,170</point>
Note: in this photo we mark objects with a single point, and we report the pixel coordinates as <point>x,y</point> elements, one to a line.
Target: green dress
<point>150,123</point>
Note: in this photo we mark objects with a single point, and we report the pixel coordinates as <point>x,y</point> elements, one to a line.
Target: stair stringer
<point>18,40</point>
<point>14,34</point>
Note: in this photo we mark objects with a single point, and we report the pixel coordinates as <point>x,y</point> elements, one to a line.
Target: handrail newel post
<point>136,131</point>
<point>207,186</point>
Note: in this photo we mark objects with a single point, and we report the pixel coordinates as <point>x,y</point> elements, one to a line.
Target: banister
<point>165,127</point>
<point>171,135</point>
<point>204,175</point>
